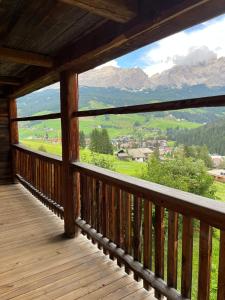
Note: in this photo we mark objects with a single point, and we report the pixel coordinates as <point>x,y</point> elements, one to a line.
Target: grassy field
<point>116,125</point>
<point>132,168</point>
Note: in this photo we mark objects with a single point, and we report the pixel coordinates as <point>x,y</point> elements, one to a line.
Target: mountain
<point>122,78</point>
<point>210,73</point>
<point>212,135</point>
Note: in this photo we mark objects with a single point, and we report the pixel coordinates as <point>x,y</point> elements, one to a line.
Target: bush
<point>42,148</point>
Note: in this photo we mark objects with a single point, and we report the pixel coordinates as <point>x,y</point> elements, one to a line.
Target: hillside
<point>212,135</point>
<point>48,100</point>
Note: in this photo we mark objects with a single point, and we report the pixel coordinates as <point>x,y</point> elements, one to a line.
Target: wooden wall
<point>5,160</point>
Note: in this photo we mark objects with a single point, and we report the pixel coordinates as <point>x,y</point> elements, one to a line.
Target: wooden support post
<point>14,135</point>
<point>70,150</point>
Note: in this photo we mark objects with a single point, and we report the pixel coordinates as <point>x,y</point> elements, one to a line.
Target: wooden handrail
<point>42,155</point>
<point>213,101</point>
<point>202,208</point>
<point>38,118</point>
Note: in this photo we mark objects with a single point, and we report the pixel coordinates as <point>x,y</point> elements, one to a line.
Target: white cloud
<point>172,50</point>
<point>111,63</point>
<point>54,86</point>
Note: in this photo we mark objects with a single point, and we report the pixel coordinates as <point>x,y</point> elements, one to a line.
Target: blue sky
<point>164,54</point>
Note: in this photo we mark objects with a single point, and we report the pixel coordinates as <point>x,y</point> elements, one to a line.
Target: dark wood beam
<point>213,101</point>
<point>113,40</point>
<point>14,134</point>
<point>70,149</point>
<point>5,80</point>
<point>25,57</point>
<point>120,11</point>
<point>38,118</point>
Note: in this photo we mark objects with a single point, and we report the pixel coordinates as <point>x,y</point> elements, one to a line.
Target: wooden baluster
<point>93,203</point>
<point>172,249</point>
<point>221,273</point>
<point>159,245</point>
<point>112,201</point>
<point>205,253</point>
<point>187,253</point>
<point>88,202</point>
<point>137,230</point>
<point>103,209</point>
<point>147,238</point>
<point>82,197</point>
<point>107,210</point>
<point>127,226</point>
<point>118,221</point>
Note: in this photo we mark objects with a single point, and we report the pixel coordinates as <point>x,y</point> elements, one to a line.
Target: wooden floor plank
<point>37,262</point>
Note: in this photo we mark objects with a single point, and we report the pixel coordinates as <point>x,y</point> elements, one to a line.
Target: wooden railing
<point>41,174</point>
<point>138,223</point>
<point>147,227</point>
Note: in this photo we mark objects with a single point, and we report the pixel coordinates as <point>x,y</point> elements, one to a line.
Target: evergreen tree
<point>82,140</point>
<point>100,142</point>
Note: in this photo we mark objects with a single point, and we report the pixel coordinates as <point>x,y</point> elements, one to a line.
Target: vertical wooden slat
<point>137,231</point>
<point>187,253</point>
<point>172,249</point>
<point>205,252</point>
<point>127,225</point>
<point>147,251</point>
<point>118,221</point>
<point>70,150</point>
<point>221,273</point>
<point>159,245</point>
<point>14,134</point>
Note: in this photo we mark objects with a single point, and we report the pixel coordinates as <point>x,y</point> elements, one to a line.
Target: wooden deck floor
<point>37,262</point>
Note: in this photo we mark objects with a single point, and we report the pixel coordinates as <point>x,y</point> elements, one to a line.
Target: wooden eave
<point>64,36</point>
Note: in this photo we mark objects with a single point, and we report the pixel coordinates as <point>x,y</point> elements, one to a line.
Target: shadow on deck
<point>37,262</point>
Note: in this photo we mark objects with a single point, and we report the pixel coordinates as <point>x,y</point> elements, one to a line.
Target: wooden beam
<point>14,134</point>
<point>25,57</point>
<point>120,11</point>
<point>213,101</point>
<point>70,150</point>
<point>39,117</point>
<point>5,80</point>
<point>113,40</point>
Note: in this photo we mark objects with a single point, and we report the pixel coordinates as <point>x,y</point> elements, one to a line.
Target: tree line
<point>211,135</point>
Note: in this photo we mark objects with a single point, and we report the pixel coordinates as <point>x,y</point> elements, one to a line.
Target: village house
<point>218,174</point>
<point>217,160</point>
<point>139,154</point>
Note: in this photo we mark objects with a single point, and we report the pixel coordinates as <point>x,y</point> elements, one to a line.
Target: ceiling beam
<point>5,80</point>
<point>25,57</point>
<point>111,41</point>
<point>120,11</point>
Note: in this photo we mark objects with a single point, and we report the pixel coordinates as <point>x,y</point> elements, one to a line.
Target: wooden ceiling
<point>39,39</point>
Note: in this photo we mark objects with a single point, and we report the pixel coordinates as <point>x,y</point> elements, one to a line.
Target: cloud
<point>195,56</point>
<point>111,63</point>
<point>186,47</point>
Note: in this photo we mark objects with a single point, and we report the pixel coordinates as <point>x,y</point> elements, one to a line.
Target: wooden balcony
<point>43,42</point>
<point>139,226</point>
<point>38,262</point>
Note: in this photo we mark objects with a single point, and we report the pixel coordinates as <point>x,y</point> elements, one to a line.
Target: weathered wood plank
<point>44,264</point>
<point>117,10</point>
<point>25,57</point>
